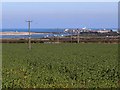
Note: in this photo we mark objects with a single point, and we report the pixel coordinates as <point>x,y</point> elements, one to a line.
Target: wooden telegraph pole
<point>58,36</point>
<point>78,36</point>
<point>71,35</point>
<point>29,39</point>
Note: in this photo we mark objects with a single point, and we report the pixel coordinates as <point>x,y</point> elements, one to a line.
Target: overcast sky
<point>60,15</point>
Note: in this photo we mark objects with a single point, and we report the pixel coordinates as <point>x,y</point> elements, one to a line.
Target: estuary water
<point>43,30</point>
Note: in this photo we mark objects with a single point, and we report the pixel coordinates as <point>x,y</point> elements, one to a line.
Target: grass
<point>60,66</point>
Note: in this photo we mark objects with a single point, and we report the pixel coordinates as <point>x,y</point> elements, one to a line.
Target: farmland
<point>60,65</point>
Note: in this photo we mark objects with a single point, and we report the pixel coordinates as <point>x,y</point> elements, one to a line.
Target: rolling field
<point>60,66</point>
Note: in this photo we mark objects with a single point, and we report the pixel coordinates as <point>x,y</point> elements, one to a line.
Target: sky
<point>60,0</point>
<point>60,14</point>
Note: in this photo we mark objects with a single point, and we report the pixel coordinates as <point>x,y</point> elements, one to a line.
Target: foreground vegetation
<point>60,66</point>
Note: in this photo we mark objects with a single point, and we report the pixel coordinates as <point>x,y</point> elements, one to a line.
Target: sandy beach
<point>19,33</point>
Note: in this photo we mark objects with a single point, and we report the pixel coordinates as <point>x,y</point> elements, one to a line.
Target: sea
<point>47,33</point>
<point>50,30</point>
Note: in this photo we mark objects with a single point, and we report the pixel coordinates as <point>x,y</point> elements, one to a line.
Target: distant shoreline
<point>21,33</point>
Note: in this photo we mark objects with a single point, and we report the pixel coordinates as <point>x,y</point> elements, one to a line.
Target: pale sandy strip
<point>19,33</point>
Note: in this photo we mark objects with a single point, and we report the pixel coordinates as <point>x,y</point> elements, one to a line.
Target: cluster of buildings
<point>85,30</point>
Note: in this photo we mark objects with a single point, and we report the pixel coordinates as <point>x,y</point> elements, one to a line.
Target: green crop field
<point>60,66</point>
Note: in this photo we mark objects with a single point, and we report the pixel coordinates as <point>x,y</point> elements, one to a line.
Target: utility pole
<point>78,36</point>
<point>29,39</point>
<point>58,35</point>
<point>71,35</point>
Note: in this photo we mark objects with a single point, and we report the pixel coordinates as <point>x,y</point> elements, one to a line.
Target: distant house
<point>104,31</point>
